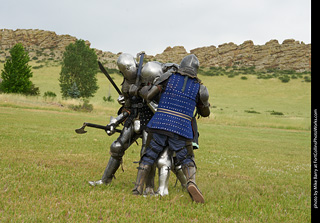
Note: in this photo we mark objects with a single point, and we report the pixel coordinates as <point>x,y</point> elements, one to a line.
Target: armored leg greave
<point>145,140</point>
<point>150,181</point>
<point>177,170</point>
<point>117,150</point>
<point>143,171</point>
<point>150,178</point>
<point>164,173</point>
<point>189,170</point>
<point>110,170</point>
<point>164,163</point>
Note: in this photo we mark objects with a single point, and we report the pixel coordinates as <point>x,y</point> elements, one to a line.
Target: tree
<point>16,73</point>
<point>78,71</point>
<point>73,92</point>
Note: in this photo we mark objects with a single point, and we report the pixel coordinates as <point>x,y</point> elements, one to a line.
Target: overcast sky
<point>152,25</point>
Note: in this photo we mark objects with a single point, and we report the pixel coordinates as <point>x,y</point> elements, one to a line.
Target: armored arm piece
<point>120,118</point>
<point>203,102</point>
<point>114,122</point>
<point>149,93</point>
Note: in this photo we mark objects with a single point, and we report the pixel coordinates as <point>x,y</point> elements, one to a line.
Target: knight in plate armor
<point>171,126</point>
<point>134,114</point>
<point>150,73</point>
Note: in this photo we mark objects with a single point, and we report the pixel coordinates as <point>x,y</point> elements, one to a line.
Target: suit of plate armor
<point>151,72</point>
<point>172,123</point>
<point>135,115</point>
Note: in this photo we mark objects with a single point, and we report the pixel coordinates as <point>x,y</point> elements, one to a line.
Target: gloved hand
<point>121,100</point>
<point>133,90</point>
<point>111,129</point>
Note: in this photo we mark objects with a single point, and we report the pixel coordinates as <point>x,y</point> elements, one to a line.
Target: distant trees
<point>16,73</point>
<point>78,71</point>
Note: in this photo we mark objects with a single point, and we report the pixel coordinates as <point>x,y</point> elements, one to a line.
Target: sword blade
<point>139,68</point>
<point>103,70</point>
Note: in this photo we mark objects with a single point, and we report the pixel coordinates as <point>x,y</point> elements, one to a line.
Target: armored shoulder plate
<point>163,77</point>
<point>204,95</point>
<point>204,107</point>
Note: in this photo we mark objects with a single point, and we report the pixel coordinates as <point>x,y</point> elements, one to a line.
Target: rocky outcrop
<point>289,55</point>
<point>44,45</point>
<point>38,43</point>
<point>171,55</point>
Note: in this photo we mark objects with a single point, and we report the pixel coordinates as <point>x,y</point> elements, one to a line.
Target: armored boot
<point>189,170</point>
<point>150,182</point>
<point>143,172</point>
<point>177,170</point>
<point>109,172</point>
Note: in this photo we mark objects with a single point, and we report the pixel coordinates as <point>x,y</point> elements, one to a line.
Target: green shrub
<point>275,113</point>
<point>49,94</point>
<point>38,67</point>
<point>113,71</point>
<point>284,78</point>
<point>252,111</point>
<point>73,92</point>
<point>109,98</point>
<point>307,78</point>
<point>85,107</point>
<point>33,91</point>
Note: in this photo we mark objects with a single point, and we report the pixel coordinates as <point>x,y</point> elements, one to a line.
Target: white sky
<point>152,25</point>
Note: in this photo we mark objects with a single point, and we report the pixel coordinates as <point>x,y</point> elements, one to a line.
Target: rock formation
<point>289,55</point>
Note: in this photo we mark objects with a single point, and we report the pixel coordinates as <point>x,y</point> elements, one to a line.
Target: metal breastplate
<point>176,106</point>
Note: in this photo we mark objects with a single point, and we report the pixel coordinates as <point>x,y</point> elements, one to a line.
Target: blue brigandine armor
<point>176,106</point>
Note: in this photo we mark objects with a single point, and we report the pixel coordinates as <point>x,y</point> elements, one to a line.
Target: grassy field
<point>253,161</point>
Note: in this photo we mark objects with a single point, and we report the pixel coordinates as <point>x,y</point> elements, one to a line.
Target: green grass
<point>252,166</point>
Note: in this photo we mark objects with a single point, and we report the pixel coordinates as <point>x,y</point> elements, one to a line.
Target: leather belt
<point>174,113</point>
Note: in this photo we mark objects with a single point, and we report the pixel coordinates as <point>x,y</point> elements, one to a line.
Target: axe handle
<point>99,126</point>
<point>95,126</point>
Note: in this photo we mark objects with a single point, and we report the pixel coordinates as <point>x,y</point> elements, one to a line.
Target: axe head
<point>81,130</point>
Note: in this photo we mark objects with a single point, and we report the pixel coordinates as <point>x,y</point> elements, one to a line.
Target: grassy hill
<point>252,101</point>
<point>253,162</point>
